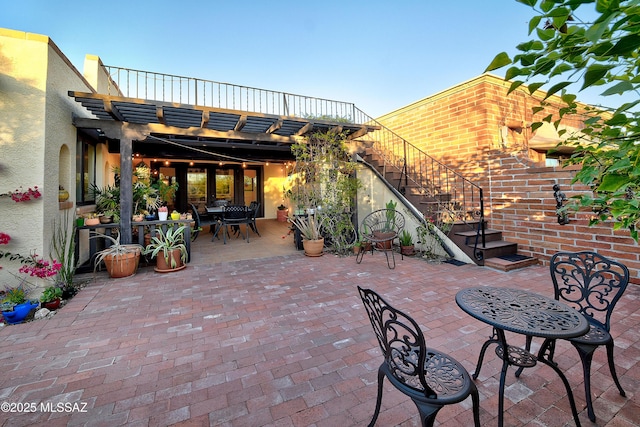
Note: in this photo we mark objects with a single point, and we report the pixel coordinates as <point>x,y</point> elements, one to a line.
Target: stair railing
<point>453,196</point>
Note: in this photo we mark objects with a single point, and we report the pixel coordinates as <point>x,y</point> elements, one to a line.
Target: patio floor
<point>274,338</point>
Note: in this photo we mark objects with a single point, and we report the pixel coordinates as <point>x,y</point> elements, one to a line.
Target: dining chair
<point>254,206</point>
<point>233,216</point>
<point>592,284</point>
<point>431,379</point>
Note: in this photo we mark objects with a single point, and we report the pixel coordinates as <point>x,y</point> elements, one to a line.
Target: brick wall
<point>473,128</point>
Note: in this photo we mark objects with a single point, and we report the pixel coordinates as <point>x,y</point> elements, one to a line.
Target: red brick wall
<point>461,127</point>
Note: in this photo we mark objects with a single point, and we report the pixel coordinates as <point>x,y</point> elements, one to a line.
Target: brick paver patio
<point>284,341</point>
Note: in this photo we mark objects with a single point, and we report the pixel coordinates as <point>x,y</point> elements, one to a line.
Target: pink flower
<point>4,238</point>
<point>38,267</point>
<point>24,196</point>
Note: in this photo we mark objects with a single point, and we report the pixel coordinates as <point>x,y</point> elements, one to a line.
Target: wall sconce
<point>560,199</point>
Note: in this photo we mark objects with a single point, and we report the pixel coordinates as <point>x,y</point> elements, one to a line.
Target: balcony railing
<point>208,93</point>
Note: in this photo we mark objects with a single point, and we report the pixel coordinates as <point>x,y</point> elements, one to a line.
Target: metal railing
<point>208,93</point>
<point>452,194</point>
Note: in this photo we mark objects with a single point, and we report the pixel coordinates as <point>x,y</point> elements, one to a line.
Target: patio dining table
<point>526,313</point>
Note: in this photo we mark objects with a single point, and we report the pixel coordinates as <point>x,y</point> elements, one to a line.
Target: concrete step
<point>512,262</point>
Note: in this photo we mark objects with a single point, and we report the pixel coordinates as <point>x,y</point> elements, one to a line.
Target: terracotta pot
<point>92,221</point>
<point>387,244</point>
<point>123,265</point>
<point>163,266</point>
<point>407,250</point>
<point>313,247</point>
<point>51,305</point>
<point>282,215</point>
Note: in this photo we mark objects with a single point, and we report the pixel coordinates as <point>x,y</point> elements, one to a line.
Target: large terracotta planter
<point>123,265</point>
<point>313,247</point>
<point>162,266</point>
<point>282,215</point>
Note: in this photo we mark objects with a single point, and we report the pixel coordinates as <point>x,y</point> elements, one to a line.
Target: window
<point>85,170</point>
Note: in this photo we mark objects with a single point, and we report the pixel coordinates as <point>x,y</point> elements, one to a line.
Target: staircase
<point>439,192</point>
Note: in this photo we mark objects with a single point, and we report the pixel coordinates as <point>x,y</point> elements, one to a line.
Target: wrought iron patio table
<point>526,313</point>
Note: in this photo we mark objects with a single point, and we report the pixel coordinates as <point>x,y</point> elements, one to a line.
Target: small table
<point>525,313</point>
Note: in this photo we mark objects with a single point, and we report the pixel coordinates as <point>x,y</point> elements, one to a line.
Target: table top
<point>523,312</point>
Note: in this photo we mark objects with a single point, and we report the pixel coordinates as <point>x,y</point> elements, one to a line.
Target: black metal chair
<point>233,216</point>
<point>381,228</point>
<point>431,379</point>
<point>592,284</point>
<point>196,217</point>
<point>254,206</point>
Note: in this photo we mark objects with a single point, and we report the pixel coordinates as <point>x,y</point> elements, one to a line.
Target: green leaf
<point>617,120</point>
<point>618,89</point>
<point>595,32</point>
<point>529,3</point>
<point>535,21</point>
<point>544,66</point>
<point>613,182</point>
<point>555,88</point>
<point>594,73</point>
<point>546,35</point>
<point>511,73</point>
<point>535,126</point>
<point>534,87</point>
<point>559,69</point>
<point>625,46</point>
<point>536,110</point>
<point>499,61</point>
<point>514,86</point>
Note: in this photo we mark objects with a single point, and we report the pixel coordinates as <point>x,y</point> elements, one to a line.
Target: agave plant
<point>167,242</point>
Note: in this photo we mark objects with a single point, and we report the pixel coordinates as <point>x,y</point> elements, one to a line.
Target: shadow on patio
<point>284,340</point>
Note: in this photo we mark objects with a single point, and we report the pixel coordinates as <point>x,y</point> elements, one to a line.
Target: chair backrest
<point>401,341</point>
<point>383,220</point>
<point>235,212</point>
<point>590,283</point>
<point>253,209</point>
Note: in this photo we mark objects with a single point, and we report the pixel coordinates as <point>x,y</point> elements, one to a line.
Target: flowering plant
<point>23,196</point>
<point>163,209</point>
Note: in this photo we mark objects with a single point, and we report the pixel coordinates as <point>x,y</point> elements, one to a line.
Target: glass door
<point>225,185</point>
<point>197,188</point>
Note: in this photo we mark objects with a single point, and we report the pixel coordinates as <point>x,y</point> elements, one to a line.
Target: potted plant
<point>50,298</point>
<point>15,304</point>
<point>407,246</point>
<point>120,260</point>
<point>172,245</point>
<point>163,212</point>
<point>312,240</point>
<point>282,213</point>
<point>386,233</point>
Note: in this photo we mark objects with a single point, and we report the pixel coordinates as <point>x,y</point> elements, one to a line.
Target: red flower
<point>4,238</point>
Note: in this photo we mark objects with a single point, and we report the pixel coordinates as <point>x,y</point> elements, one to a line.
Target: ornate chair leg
<point>586,355</point>
<point>612,367</point>
<point>475,398</point>
<point>427,413</point>
<point>379,398</point>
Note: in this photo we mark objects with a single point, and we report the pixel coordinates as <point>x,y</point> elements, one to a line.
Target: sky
<point>379,55</point>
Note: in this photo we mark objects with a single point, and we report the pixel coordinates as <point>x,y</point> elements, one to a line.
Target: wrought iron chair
<point>431,379</point>
<point>381,228</point>
<point>253,212</point>
<point>233,216</point>
<point>592,284</point>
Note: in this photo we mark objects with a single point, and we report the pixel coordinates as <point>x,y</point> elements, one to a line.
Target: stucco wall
<point>35,126</point>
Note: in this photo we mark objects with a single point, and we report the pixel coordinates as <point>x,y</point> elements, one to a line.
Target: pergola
<point>172,130</point>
